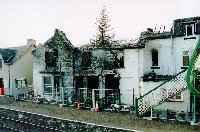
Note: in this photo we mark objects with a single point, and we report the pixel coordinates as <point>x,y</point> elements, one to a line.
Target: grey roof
<point>10,55</point>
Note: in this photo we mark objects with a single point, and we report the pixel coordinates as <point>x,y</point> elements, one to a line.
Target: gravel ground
<point>123,120</point>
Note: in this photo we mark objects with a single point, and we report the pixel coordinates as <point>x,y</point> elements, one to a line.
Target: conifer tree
<point>103,36</point>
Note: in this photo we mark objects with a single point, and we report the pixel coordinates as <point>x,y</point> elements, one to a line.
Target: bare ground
<point>123,120</point>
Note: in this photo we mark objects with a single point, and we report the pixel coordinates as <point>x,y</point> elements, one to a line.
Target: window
<point>185,58</point>
<point>197,28</point>
<point>48,84</point>
<point>1,64</point>
<point>189,30</point>
<point>86,59</point>
<point>177,97</point>
<point>51,57</point>
<point>1,83</point>
<point>58,82</point>
<point>154,54</point>
<point>20,83</point>
<point>119,60</point>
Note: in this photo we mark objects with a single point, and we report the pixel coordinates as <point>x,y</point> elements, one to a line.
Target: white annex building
<point>165,54</point>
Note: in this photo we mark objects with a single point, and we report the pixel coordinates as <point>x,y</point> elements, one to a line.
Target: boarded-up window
<point>48,84</point>
<point>154,54</point>
<point>185,58</point>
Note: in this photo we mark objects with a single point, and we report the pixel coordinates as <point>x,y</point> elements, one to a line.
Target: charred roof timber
<point>178,29</point>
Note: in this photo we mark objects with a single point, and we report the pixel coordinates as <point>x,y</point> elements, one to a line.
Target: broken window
<point>119,60</point>
<point>185,58</point>
<point>154,54</point>
<point>48,84</point>
<point>20,83</point>
<point>189,30</point>
<point>86,59</point>
<point>51,57</point>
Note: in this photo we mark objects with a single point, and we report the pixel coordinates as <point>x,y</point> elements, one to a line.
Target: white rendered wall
<point>165,56</point>
<point>130,75</point>
<point>170,55</point>
<point>22,68</point>
<point>183,105</point>
<point>38,65</point>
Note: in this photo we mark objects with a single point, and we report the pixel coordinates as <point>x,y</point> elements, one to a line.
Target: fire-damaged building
<point>53,69</point>
<point>106,74</point>
<point>143,73</point>
<point>87,75</point>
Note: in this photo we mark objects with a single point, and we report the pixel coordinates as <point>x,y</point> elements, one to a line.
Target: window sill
<point>184,67</point>
<point>175,100</point>
<point>48,94</point>
<point>190,37</point>
<point>155,67</point>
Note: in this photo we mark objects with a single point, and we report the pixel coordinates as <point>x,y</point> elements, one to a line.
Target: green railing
<point>160,93</point>
<point>190,73</point>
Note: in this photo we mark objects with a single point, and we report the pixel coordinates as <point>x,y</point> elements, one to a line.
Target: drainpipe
<point>172,53</point>
<point>9,91</point>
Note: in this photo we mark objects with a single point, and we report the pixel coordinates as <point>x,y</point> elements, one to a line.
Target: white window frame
<point>48,85</point>
<point>174,99</point>
<point>186,54</point>
<point>20,83</point>
<point>192,29</point>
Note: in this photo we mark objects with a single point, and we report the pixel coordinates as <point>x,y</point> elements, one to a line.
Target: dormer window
<point>189,30</point>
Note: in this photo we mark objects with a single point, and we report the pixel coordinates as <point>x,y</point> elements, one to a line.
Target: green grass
<point>123,120</point>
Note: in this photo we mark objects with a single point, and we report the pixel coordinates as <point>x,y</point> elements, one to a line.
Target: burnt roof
<point>59,37</point>
<point>118,44</point>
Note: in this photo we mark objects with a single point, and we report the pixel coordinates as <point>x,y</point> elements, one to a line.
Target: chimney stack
<point>31,42</point>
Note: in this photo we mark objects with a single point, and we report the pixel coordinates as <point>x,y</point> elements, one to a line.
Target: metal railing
<point>161,93</point>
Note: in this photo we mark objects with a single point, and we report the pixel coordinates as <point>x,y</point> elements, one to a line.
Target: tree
<point>104,39</point>
<point>103,36</point>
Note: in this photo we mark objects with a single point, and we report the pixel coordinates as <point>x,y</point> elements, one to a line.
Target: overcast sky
<point>37,19</point>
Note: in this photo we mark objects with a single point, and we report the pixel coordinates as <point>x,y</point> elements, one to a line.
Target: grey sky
<point>37,19</point>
